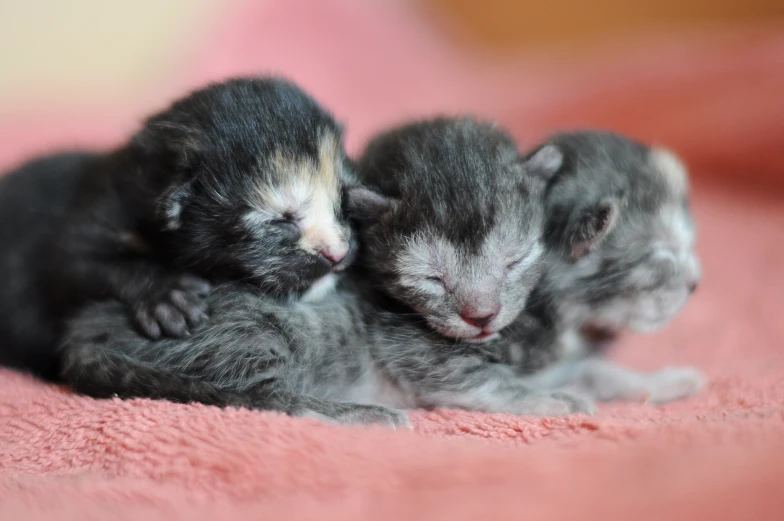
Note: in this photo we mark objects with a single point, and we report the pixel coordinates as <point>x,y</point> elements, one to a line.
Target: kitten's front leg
<point>474,384</point>
<point>103,356</point>
<point>162,303</point>
<point>106,262</point>
<point>606,381</point>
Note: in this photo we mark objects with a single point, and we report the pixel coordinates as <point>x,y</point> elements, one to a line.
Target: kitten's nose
<point>334,255</point>
<point>478,320</point>
<point>694,273</point>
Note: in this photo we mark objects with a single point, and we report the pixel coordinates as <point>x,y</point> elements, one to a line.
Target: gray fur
<point>639,271</point>
<point>358,357</point>
<point>608,382</point>
<point>620,240</point>
<point>460,241</point>
<point>239,180</point>
<point>327,359</point>
<point>335,357</point>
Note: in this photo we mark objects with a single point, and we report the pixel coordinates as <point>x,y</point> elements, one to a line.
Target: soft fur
<point>344,357</point>
<point>621,234</point>
<point>620,239</point>
<point>242,180</point>
<point>357,357</point>
<point>456,243</point>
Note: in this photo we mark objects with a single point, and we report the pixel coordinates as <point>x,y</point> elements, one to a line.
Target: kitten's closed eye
<point>436,282</point>
<point>258,220</point>
<point>433,284</point>
<point>288,222</point>
<point>513,264</point>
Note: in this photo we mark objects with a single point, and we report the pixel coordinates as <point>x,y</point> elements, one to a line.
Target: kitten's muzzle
<point>478,321</point>
<point>479,314</point>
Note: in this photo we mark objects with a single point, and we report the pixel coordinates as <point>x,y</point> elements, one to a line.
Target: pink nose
<point>478,321</point>
<point>333,256</point>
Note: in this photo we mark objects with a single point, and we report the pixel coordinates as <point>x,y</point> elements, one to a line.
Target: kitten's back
<point>34,199</point>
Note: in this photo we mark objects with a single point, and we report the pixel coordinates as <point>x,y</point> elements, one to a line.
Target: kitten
<point>456,192</point>
<point>447,245</point>
<point>242,180</point>
<point>620,238</point>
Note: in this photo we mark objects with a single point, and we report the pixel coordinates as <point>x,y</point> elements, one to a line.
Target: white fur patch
<point>173,212</point>
<point>572,345</point>
<point>681,239</point>
<point>376,389</point>
<point>256,218</point>
<point>310,192</point>
<point>320,229</point>
<point>606,381</point>
<point>678,226</point>
<point>321,288</point>
<point>672,169</point>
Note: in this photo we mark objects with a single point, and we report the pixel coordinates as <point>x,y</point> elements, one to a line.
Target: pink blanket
<point>718,456</point>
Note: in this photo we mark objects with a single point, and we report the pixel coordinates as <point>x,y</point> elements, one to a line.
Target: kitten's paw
<point>375,415</point>
<point>674,383</point>
<point>556,403</point>
<point>173,307</point>
<point>359,414</point>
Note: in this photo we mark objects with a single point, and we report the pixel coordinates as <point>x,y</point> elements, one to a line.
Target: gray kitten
<point>454,241</point>
<point>620,239</point>
<point>461,227</point>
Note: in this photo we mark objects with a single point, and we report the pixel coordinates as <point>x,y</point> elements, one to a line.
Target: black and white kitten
<point>462,225</point>
<point>242,180</point>
<point>620,239</point>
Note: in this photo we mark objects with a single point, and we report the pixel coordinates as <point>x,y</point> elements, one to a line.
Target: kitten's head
<point>621,232</point>
<point>252,173</point>
<point>457,233</point>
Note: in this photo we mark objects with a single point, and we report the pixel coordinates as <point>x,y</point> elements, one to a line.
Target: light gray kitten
<point>620,239</point>
<point>453,248</point>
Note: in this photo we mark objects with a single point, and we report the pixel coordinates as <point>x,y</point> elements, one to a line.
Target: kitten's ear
<point>589,227</point>
<point>160,134</point>
<point>542,164</point>
<point>169,148</point>
<point>172,144</point>
<point>366,205</point>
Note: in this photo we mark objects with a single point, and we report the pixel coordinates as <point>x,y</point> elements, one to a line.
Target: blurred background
<point>705,77</point>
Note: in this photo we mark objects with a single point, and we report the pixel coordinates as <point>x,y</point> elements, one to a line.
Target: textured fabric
<point>718,456</point>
